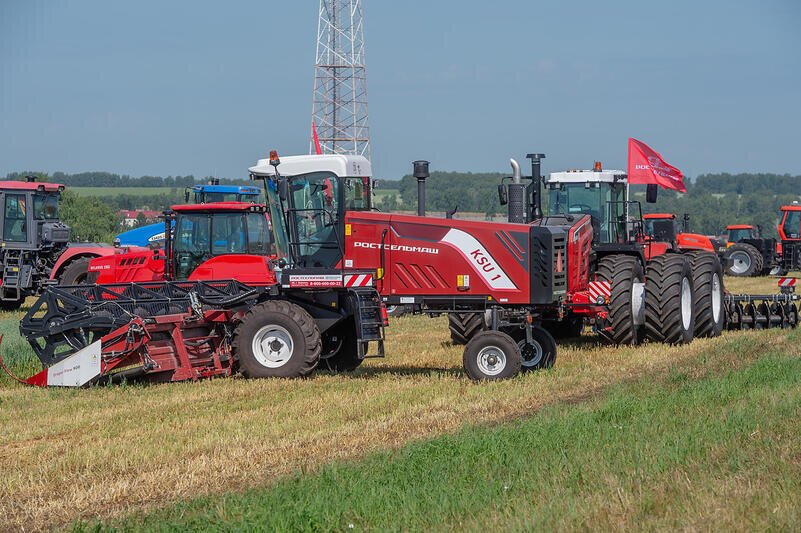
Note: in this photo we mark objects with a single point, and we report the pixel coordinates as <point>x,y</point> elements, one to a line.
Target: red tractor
<point>789,249</point>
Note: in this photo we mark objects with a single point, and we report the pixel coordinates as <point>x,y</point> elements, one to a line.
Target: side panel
<point>244,268</point>
<point>579,240</point>
<point>693,240</point>
<point>442,257</point>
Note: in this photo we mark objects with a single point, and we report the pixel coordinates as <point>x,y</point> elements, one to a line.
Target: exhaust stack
<point>421,173</point>
<point>517,196</point>
<point>536,182</point>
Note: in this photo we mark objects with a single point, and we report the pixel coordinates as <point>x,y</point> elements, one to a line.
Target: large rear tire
<point>77,273</point>
<point>622,323</point>
<point>669,309</point>
<point>490,356</point>
<point>744,260</point>
<point>464,326</point>
<point>277,339</point>
<point>710,313</point>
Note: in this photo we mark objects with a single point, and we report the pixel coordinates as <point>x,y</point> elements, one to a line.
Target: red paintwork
<point>659,215</point>
<point>32,186</point>
<point>148,265</point>
<point>579,243</point>
<point>740,226</point>
<point>653,248</point>
<point>77,252</point>
<point>417,261</point>
<point>251,269</point>
<point>694,240</point>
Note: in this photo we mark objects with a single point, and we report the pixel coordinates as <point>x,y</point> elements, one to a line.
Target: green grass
<point>711,452</point>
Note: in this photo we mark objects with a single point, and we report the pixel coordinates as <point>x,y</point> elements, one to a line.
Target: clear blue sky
<point>155,87</point>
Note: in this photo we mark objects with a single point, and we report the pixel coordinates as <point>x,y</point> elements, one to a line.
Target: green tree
<point>88,218</point>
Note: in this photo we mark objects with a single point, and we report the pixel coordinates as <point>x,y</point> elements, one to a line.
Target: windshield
<point>45,206</point>
<point>736,235</point>
<point>603,201</point>
<point>792,225</point>
<point>661,229</point>
<point>208,197</point>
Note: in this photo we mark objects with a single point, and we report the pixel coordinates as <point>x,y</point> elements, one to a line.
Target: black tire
<point>623,271</point>
<point>744,260</point>
<point>541,354</point>
<point>480,351</point>
<point>342,353</point>
<point>285,322</point>
<point>77,273</point>
<point>710,313</point>
<point>464,326</point>
<point>669,310</point>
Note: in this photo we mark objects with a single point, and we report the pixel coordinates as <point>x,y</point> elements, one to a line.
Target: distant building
<point>130,217</point>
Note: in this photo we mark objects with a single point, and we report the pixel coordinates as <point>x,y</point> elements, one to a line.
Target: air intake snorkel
<point>517,196</point>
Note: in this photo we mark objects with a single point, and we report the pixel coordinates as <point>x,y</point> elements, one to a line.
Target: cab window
<point>792,225</point>
<point>258,234</point>
<point>736,235</point>
<point>357,194</point>
<point>14,226</point>
<point>315,200</point>
<point>45,207</point>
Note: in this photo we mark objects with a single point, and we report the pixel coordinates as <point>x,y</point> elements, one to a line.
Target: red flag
<point>647,166</point>
<point>316,140</point>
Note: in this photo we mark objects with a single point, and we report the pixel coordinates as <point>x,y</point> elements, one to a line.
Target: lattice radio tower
<point>339,108</point>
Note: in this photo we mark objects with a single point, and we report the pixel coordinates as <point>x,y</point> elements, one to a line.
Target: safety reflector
<point>600,289</point>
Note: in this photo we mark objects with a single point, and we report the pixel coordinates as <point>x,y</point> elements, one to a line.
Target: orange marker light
<point>597,167</point>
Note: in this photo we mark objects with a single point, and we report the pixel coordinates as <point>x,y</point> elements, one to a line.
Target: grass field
<point>132,191</point>
<point>313,453</point>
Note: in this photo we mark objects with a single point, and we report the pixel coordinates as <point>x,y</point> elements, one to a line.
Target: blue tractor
<point>152,235</point>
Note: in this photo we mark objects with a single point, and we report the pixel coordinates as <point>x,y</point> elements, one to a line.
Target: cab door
<point>15,218</point>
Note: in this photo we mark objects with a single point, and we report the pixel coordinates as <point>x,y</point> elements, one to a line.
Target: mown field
<point>697,437</point>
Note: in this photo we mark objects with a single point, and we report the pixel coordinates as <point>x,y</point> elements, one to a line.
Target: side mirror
<point>503,195</point>
<point>283,189</point>
<point>375,183</point>
<point>650,193</point>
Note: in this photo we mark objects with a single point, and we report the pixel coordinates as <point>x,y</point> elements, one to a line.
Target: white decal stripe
<point>479,258</point>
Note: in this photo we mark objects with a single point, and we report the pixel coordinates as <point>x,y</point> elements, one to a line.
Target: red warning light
<point>597,167</point>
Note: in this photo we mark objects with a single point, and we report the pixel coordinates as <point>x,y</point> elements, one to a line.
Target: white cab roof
<point>355,166</point>
<point>583,176</point>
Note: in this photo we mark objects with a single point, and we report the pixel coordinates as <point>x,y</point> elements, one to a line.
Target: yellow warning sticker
<point>347,229</point>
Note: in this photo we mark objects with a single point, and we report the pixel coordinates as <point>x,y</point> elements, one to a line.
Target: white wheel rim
<point>686,303</point>
<point>741,262</point>
<point>272,346</point>
<point>638,303</point>
<point>491,360</point>
<point>717,298</point>
<point>532,353</point>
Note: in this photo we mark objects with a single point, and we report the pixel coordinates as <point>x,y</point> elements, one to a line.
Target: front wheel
<point>490,356</point>
<point>277,339</point>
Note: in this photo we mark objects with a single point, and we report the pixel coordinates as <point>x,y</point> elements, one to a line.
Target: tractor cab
<point>210,241</point>
<point>602,194</point>
<point>661,227</point>
<point>741,232</point>
<point>30,215</point>
<point>308,198</point>
<point>790,224</point>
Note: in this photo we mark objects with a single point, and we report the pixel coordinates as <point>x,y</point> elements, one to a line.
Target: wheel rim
<point>741,262</point>
<point>638,302</point>
<point>532,353</point>
<point>491,360</point>
<point>391,309</point>
<point>717,298</point>
<point>775,271</point>
<point>272,346</point>
<point>686,303</point>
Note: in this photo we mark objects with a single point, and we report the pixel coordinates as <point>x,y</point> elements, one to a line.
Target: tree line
<point>108,179</point>
<point>713,201</point>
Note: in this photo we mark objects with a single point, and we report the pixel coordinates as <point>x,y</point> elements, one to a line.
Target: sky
<point>207,88</point>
